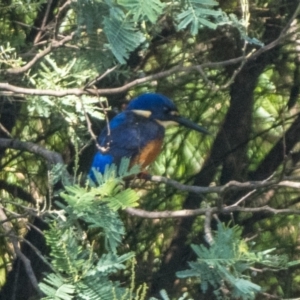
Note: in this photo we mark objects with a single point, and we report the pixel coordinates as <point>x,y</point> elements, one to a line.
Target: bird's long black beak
<point>189,124</point>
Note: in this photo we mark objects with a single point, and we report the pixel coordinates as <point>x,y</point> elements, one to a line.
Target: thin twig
<point>107,146</point>
<point>37,252</point>
<point>244,198</point>
<point>45,18</point>
<point>9,230</point>
<point>207,228</point>
<point>100,77</point>
<point>2,127</point>
<point>90,130</point>
<point>39,56</point>
<point>88,122</point>
<point>60,10</point>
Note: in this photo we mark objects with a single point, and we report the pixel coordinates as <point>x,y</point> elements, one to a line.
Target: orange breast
<point>148,154</point>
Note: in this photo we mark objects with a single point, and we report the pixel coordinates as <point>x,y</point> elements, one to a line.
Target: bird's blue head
<point>160,108</point>
<point>152,105</point>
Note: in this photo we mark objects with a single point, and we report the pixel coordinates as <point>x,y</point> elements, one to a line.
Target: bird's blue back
<point>129,134</point>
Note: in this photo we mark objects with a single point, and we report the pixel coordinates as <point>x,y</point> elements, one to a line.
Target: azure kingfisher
<point>138,132</point>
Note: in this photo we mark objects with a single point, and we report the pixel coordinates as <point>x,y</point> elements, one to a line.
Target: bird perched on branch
<point>138,132</point>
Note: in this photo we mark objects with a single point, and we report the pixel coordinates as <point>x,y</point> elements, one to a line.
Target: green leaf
<point>112,172</point>
<point>143,9</point>
<point>164,295</point>
<point>123,37</point>
<point>293,263</point>
<point>226,260</point>
<point>187,273</point>
<point>204,2</point>
<point>197,14</point>
<point>54,287</point>
<point>245,289</point>
<point>98,287</point>
<point>111,262</point>
<point>122,200</point>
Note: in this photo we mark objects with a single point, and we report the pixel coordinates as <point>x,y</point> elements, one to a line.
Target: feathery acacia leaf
<point>143,9</point>
<point>123,37</point>
<point>225,261</point>
<point>197,14</point>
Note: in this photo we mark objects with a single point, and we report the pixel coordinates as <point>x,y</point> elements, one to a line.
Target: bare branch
<point>100,77</point>
<point>2,128</point>
<point>46,15</point>
<point>38,92</point>
<point>90,130</point>
<point>37,252</point>
<point>231,185</point>
<point>78,91</point>
<point>56,158</point>
<point>59,12</point>
<point>186,213</point>
<point>17,191</point>
<point>39,56</point>
<point>8,229</point>
<point>50,156</point>
<point>88,122</point>
<point>207,228</point>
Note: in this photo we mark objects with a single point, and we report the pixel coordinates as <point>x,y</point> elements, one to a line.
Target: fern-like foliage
<point>97,205</point>
<point>199,13</point>
<point>123,25</point>
<point>143,9</point>
<point>112,172</point>
<point>8,56</point>
<point>65,253</point>
<point>122,36</point>
<point>224,264</point>
<point>55,287</point>
<point>80,272</point>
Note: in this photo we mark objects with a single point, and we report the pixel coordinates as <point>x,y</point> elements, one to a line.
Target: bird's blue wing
<point>121,142</point>
<point>129,133</point>
<point>100,161</point>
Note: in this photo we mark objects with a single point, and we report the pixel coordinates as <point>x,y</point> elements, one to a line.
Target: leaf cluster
<point>78,269</point>
<point>125,25</point>
<point>225,264</point>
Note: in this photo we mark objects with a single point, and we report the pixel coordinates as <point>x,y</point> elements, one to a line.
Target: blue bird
<point>138,132</point>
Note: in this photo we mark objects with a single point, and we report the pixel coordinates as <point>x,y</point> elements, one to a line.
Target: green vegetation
<point>222,221</point>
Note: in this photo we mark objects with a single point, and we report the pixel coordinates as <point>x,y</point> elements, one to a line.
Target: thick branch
<point>185,213</point>
<point>230,186</point>
<point>17,191</point>
<point>50,156</point>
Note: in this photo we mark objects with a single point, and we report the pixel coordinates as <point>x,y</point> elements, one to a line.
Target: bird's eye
<point>170,111</point>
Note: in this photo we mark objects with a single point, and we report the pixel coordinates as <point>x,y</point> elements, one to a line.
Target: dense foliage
<point>222,218</point>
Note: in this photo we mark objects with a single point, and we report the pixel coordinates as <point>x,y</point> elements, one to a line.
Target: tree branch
<point>39,56</point>
<point>56,158</point>
<point>186,213</point>
<point>50,156</point>
<point>8,229</point>
<point>230,186</point>
<point>97,92</point>
<point>17,191</point>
